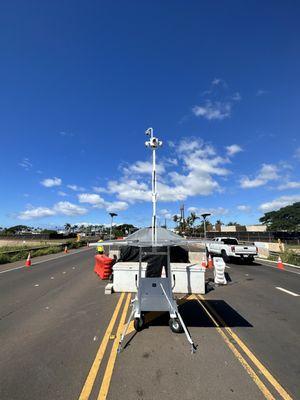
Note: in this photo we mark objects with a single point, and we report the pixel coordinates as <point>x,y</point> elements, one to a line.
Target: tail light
<point>233,248</point>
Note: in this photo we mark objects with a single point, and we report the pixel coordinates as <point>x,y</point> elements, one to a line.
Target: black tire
<point>139,323</point>
<point>175,325</point>
<point>224,256</point>
<point>250,259</point>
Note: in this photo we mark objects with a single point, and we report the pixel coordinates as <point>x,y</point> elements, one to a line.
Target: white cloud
<point>62,207</point>
<point>64,133</point>
<point>217,103</point>
<point>116,206</point>
<point>67,208</point>
<point>26,164</point>
<point>233,149</point>
<point>34,213</point>
<point>279,202</point>
<point>244,208</point>
<point>165,213</point>
<point>289,185</point>
<point>213,110</point>
<point>200,164</point>
<point>99,189</point>
<point>172,161</point>
<point>76,188</point>
<point>130,190</point>
<point>61,193</point>
<point>297,153</point>
<point>216,81</point>
<point>236,96</point>
<point>143,167</point>
<point>50,182</point>
<point>268,172</point>
<point>90,198</point>
<point>261,92</point>
<point>99,202</point>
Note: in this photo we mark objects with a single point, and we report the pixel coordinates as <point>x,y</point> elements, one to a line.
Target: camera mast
<point>153,143</point>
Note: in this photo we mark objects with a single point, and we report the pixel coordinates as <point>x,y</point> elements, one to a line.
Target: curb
<point>274,262</point>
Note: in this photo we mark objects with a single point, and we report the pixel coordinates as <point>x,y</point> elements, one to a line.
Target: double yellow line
<point>240,350</point>
<point>228,334</point>
<point>92,375</point>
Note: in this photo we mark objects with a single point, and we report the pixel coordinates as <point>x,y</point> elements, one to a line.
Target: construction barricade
<point>103,266</point>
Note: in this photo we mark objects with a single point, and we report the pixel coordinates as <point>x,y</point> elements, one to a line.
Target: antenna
<point>153,143</point>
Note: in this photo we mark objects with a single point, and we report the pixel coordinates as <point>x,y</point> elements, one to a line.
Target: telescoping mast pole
<point>153,143</point>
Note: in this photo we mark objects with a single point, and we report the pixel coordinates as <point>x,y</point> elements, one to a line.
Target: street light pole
<point>204,216</point>
<point>111,223</point>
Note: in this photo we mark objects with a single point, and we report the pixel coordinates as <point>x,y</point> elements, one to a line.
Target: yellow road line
<point>113,354</point>
<point>88,386</point>
<point>283,393</point>
<point>268,395</point>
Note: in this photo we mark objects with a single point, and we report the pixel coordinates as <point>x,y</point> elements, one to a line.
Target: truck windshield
<point>229,241</point>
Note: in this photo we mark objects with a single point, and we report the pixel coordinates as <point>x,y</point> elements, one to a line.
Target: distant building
<point>242,228</point>
<point>230,228</point>
<point>256,228</point>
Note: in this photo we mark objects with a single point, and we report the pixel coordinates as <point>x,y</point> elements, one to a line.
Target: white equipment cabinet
<point>189,278</point>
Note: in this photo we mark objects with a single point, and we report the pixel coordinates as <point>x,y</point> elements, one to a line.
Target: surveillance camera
<point>149,131</point>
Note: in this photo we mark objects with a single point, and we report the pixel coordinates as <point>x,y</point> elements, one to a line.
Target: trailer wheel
<point>175,325</point>
<point>139,323</point>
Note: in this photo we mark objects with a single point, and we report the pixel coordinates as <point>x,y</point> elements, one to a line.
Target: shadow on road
<point>194,315</point>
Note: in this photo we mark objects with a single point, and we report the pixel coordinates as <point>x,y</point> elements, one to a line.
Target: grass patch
<point>288,256</point>
<point>22,251</point>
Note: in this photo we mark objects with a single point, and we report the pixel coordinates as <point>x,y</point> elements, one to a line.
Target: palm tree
<point>67,227</point>
<point>193,217</point>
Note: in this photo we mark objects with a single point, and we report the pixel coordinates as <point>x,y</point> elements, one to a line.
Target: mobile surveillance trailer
<point>154,292</point>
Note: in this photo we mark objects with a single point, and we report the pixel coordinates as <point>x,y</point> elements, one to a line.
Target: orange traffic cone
<point>210,262</point>
<point>203,263</point>
<point>66,249</point>
<point>280,263</point>
<point>28,261</point>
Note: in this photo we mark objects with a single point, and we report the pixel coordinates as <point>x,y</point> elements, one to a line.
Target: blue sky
<point>82,80</point>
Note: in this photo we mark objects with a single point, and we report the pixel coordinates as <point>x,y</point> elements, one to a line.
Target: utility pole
<point>153,143</point>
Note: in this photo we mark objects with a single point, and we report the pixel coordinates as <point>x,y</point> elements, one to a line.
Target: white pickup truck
<point>228,247</point>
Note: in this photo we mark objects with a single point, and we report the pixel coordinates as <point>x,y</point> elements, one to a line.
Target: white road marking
<point>287,291</point>
<point>43,261</point>
<point>52,277</point>
<point>64,272</point>
<point>36,285</point>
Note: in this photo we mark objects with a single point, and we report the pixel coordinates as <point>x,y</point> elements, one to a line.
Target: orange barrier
<point>66,249</point>
<point>103,266</point>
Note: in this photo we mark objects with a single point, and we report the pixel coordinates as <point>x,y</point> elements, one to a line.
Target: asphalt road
<point>59,336</point>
